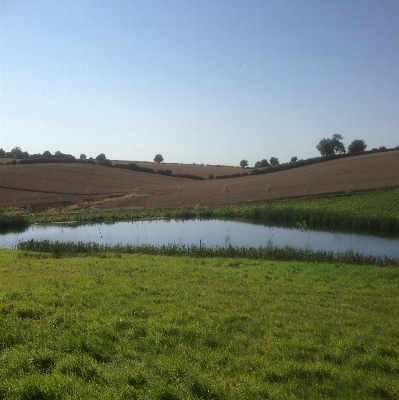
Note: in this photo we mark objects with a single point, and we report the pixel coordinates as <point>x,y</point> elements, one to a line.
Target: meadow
<point>135,326</point>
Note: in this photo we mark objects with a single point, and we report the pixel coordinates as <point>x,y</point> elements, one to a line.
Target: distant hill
<point>66,184</point>
<point>201,170</point>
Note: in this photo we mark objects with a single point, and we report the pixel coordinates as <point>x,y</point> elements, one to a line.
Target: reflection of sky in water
<point>209,232</point>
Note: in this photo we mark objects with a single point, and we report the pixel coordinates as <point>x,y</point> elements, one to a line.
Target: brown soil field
<point>193,169</point>
<point>110,188</point>
<point>5,160</point>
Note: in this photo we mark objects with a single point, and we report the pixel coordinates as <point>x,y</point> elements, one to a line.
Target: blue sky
<point>210,82</point>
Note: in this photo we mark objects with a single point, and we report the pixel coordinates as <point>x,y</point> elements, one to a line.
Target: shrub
<point>357,146</point>
<point>106,163</point>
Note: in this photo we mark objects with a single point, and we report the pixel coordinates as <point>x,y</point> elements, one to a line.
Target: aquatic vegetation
<point>67,249</point>
<point>13,221</point>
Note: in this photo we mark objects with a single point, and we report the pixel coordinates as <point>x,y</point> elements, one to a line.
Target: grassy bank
<point>154,327</point>
<point>377,210</point>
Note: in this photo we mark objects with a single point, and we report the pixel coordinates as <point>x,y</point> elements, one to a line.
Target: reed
<point>373,211</point>
<point>13,222</point>
<point>67,249</point>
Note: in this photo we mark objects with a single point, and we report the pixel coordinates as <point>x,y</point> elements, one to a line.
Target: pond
<point>209,233</point>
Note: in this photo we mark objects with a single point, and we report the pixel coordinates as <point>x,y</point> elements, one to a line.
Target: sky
<point>198,81</point>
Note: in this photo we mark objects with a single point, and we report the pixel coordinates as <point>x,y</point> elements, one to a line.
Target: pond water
<point>209,232</point>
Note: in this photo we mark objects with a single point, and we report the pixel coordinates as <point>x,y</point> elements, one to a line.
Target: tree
<point>331,146</point>
<point>357,146</point>
<point>243,163</point>
<point>46,154</point>
<point>294,159</point>
<point>59,154</point>
<point>18,153</point>
<point>82,157</point>
<point>274,161</point>
<point>158,158</point>
<point>101,157</point>
<point>2,153</point>
<point>262,164</point>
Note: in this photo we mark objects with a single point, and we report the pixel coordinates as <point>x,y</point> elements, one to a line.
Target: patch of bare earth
<point>111,188</point>
<point>191,169</point>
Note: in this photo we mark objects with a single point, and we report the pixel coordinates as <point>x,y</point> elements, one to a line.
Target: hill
<point>191,169</point>
<point>66,184</point>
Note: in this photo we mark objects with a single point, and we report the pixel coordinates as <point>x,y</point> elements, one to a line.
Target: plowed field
<point>22,185</point>
<point>191,169</point>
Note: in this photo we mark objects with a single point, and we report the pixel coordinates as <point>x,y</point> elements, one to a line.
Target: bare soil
<point>111,188</point>
<point>191,169</point>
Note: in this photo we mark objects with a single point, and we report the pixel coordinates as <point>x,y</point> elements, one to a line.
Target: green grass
<point>131,326</point>
<point>376,211</point>
<point>68,249</point>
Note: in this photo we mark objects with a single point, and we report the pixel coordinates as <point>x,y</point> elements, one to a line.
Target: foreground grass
<point>154,327</point>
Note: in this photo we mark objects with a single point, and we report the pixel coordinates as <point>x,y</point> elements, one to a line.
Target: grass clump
<point>8,222</point>
<point>167,327</point>
<point>64,249</point>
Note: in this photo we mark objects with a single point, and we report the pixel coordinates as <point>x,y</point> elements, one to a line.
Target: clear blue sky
<point>210,82</point>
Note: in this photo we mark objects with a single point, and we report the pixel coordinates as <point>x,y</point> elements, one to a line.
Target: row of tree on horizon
<point>17,152</point>
<point>326,147</point>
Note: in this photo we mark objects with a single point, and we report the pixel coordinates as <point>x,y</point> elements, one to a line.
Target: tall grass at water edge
<point>12,222</point>
<point>376,211</point>
<point>68,249</point>
<point>133,326</point>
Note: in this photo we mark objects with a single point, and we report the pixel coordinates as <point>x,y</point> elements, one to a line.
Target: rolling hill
<point>66,184</point>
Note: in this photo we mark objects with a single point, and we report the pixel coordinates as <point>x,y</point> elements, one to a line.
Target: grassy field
<point>156,327</point>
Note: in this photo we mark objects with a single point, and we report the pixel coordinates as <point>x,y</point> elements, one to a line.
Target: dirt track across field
<point>22,185</point>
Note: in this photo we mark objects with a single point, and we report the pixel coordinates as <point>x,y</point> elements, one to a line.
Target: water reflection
<point>210,233</point>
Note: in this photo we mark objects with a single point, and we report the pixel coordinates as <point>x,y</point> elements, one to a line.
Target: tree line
<point>326,147</point>
<point>17,152</point>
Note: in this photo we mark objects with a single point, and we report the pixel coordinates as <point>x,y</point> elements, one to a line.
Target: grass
<point>134,326</point>
<point>376,211</point>
<point>12,222</point>
<point>71,249</point>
